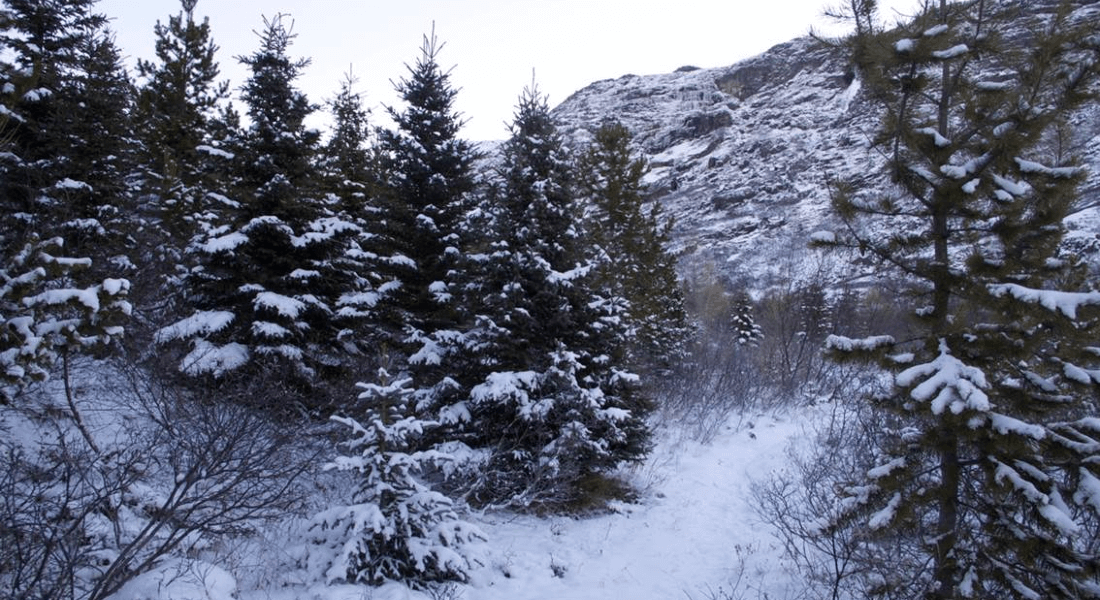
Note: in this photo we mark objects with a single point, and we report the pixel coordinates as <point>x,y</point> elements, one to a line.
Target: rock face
<point>741,155</point>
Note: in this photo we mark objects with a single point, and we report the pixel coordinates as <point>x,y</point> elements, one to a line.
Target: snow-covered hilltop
<point>741,155</point>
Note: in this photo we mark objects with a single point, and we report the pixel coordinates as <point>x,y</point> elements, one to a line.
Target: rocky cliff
<point>741,155</point>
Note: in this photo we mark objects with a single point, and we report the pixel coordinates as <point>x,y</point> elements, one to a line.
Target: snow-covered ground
<point>692,535</point>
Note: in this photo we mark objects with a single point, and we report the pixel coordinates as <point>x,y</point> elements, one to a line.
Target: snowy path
<point>693,534</point>
<point>693,537</point>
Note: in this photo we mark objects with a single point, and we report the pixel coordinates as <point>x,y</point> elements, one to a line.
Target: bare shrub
<point>835,558</point>
<point>83,517</point>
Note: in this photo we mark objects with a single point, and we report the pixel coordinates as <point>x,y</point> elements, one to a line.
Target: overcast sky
<point>492,45</point>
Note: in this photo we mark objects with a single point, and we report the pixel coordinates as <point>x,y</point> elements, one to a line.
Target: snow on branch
<point>937,138</point>
<point>1066,303</point>
<point>283,305</point>
<point>200,323</point>
<point>868,344</point>
<point>952,52</point>
<point>1027,166</point>
<point>947,383</point>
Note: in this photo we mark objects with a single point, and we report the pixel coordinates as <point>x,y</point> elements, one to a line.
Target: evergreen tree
<point>99,151</point>
<point>346,160</point>
<point>636,270</point>
<point>987,476</point>
<point>175,108</point>
<point>71,100</point>
<point>553,407</point>
<point>348,169</point>
<point>745,328</point>
<point>398,529</point>
<point>425,192</point>
<point>57,65</point>
<point>270,269</point>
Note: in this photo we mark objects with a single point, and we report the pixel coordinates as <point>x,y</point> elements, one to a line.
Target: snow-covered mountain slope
<point>741,155</point>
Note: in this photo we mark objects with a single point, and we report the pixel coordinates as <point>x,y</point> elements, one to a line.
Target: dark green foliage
<point>348,171</point>
<point>68,131</point>
<point>425,193</point>
<point>987,479</point>
<point>270,266</point>
<point>176,108</point>
<point>63,161</point>
<point>528,297</point>
<point>554,405</point>
<point>632,239</point>
<point>427,181</point>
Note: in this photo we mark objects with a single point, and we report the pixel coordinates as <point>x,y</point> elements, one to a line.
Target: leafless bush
<point>798,502</point>
<point>729,373</point>
<point>719,381</point>
<point>82,518</point>
<point>223,467</point>
<point>835,558</point>
<point>743,584</point>
<point>52,496</point>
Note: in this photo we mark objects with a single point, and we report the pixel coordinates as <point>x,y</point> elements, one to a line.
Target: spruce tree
<point>397,529</point>
<point>986,484</point>
<point>426,189</point>
<point>176,106</point>
<point>346,160</point>
<point>59,191</point>
<point>743,323</point>
<point>72,140</point>
<point>636,273</point>
<point>269,270</point>
<point>347,166</point>
<point>553,407</point>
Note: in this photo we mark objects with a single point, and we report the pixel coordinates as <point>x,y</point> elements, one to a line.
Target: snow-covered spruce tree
<point>553,413</point>
<point>45,312</point>
<point>398,528</point>
<point>635,268</point>
<point>348,169</point>
<point>346,162</point>
<point>69,102</point>
<point>268,273</point>
<point>743,324</point>
<point>425,191</point>
<point>50,303</point>
<point>988,482</point>
<point>176,106</point>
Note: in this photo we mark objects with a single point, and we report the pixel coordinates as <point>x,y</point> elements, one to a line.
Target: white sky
<point>493,45</point>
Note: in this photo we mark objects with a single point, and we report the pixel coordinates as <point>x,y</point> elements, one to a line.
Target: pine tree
<point>175,110</point>
<point>269,270</point>
<point>552,406</point>
<point>72,139</point>
<point>744,326</point>
<point>398,529</point>
<point>426,186</point>
<point>987,476</point>
<point>348,170</point>
<point>99,151</point>
<point>57,65</point>
<point>346,159</point>
<point>636,269</point>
